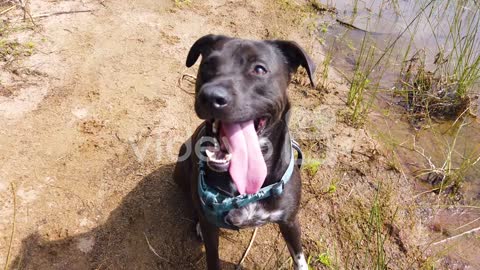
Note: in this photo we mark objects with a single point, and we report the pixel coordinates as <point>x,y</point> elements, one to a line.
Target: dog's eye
<point>259,70</point>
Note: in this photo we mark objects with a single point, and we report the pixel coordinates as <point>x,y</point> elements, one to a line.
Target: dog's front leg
<point>210,239</point>
<point>292,235</point>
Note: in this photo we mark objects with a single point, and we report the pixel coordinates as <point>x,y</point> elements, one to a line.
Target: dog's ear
<point>296,56</point>
<point>204,46</point>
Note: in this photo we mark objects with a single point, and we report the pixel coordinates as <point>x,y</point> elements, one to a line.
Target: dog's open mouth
<point>237,149</point>
<point>219,155</point>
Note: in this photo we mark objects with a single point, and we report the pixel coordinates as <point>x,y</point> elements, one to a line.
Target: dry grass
<point>428,95</point>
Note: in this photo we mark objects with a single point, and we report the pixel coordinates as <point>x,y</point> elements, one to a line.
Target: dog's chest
<point>253,215</point>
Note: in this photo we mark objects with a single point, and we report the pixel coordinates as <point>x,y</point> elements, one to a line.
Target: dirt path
<point>89,144</point>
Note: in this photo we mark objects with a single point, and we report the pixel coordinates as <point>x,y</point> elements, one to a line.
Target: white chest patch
<point>253,215</point>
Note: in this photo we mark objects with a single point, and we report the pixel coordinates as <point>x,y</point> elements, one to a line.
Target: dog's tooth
<point>210,154</point>
<point>215,143</point>
<point>215,127</point>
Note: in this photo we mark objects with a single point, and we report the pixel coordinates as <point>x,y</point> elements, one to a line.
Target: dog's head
<point>240,80</point>
<point>241,89</point>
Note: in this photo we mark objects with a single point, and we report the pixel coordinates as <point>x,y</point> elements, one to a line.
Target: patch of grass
<point>464,60</point>
<point>360,80</point>
<point>322,8</point>
<point>11,49</point>
<point>429,264</point>
<point>323,27</point>
<point>325,259</point>
<point>367,229</point>
<point>181,3</point>
<point>448,176</point>
<point>429,95</point>
<point>392,165</point>
<point>444,92</point>
<point>374,235</point>
<point>365,65</point>
<point>7,48</point>
<point>355,6</point>
<point>377,235</point>
<point>322,259</point>
<point>332,188</point>
<point>311,167</point>
<point>325,66</point>
<point>409,47</point>
<point>321,256</point>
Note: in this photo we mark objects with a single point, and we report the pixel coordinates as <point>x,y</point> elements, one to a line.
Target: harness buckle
<point>278,188</point>
<point>235,203</point>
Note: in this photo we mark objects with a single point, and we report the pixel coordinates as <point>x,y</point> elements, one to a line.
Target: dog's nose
<point>217,97</point>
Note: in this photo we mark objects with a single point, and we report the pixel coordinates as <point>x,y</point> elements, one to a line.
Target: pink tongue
<point>247,166</point>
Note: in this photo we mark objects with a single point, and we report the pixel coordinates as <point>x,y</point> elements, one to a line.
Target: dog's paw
<point>199,232</point>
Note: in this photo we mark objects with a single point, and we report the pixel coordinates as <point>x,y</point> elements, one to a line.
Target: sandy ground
<point>93,119</point>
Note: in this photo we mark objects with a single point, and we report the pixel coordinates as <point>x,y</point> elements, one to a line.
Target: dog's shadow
<point>150,229</point>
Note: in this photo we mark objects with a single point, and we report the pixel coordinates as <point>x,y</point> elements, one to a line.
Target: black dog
<point>241,172</point>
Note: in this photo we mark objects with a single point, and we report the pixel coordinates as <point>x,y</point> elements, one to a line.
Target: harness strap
<point>217,205</point>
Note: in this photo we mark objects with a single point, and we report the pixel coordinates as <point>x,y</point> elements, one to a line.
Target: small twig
<point>187,219</point>
<point>458,118</point>
<point>425,192</point>
<point>476,161</point>
<point>7,10</point>
<point>422,153</point>
<point>180,83</point>
<point>351,26</point>
<point>239,265</point>
<point>467,224</point>
<point>459,206</point>
<point>26,11</point>
<point>287,261</point>
<point>62,13</point>
<point>456,236</point>
<point>14,194</point>
<point>154,251</point>
<point>188,75</point>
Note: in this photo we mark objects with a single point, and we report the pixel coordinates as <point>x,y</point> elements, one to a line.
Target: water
<point>421,25</point>
<point>407,27</point>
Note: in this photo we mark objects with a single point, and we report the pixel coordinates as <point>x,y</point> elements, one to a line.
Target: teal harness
<point>216,205</point>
